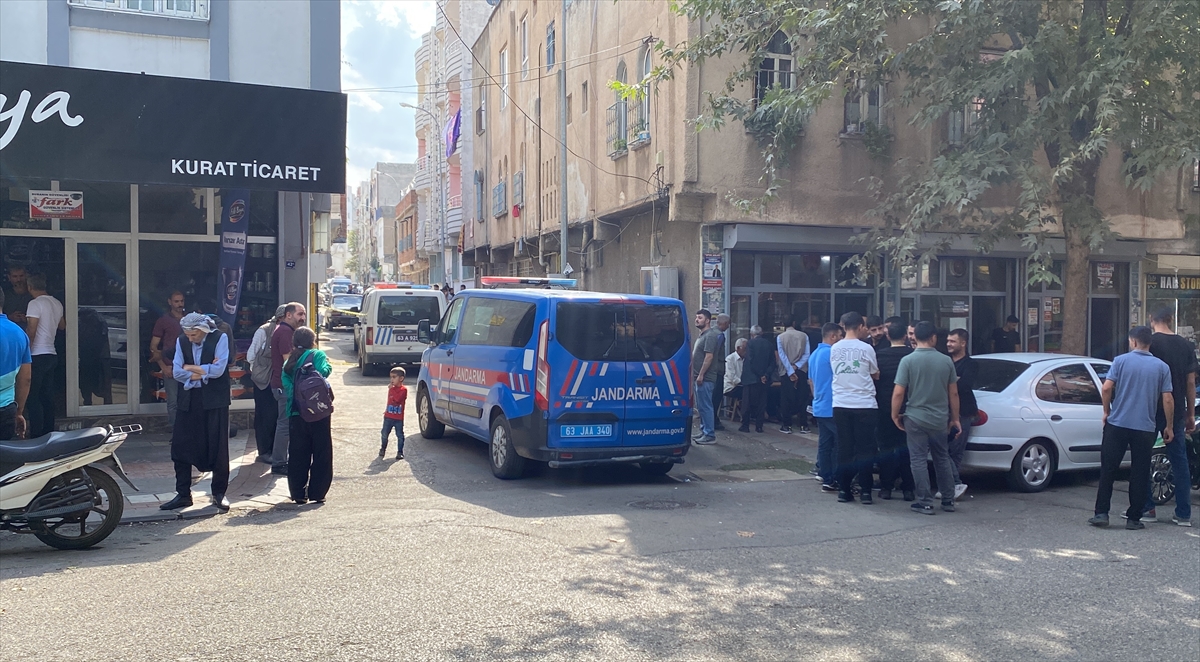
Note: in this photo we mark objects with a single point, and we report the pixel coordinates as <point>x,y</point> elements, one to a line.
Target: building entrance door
<point>102,350</point>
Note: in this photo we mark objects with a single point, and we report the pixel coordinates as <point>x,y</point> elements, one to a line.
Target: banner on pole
<point>235,218</point>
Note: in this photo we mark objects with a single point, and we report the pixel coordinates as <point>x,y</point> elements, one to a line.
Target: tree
<point>1051,87</point>
<point>352,265</point>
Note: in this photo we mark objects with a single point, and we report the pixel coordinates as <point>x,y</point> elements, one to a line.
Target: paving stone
<point>142,498</point>
<point>763,475</point>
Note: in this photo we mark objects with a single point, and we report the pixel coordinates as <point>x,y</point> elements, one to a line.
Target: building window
<point>776,68</point>
<point>193,9</point>
<point>583,105</point>
<point>964,122</point>
<point>503,76</point>
<point>617,121</point>
<point>1195,173</point>
<point>862,108</point>
<point>550,46</point>
<point>639,132</point>
<point>524,35</point>
<point>481,111</point>
<point>569,109</point>
<point>499,200</point>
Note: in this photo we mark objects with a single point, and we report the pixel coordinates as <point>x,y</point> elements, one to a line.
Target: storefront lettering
<point>1171,282</point>
<point>252,169</point>
<point>54,103</point>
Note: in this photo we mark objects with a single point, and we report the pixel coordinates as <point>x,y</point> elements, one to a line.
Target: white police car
<point>568,378</point>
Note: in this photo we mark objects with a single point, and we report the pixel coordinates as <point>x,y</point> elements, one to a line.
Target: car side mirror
<point>424,333</point>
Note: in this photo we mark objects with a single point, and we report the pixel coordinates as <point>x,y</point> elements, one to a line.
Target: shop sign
<point>1104,275</point>
<point>56,204</point>
<point>107,126</point>
<point>1172,282</point>
<point>1031,315</point>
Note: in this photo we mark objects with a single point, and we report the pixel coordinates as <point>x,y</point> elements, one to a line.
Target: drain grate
<point>661,504</point>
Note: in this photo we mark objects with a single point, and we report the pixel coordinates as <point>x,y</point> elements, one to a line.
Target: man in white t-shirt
<point>44,320</point>
<point>855,370</point>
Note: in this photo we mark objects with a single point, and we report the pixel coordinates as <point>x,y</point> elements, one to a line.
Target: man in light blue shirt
<point>15,373</point>
<point>820,379</point>
<point>1130,396</point>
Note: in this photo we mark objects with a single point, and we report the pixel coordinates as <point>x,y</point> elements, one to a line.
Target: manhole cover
<point>661,504</point>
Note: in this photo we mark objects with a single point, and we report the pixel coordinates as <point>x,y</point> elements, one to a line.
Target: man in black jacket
<point>957,342</point>
<point>757,368</point>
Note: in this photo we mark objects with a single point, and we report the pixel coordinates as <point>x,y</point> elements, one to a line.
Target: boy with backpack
<point>393,416</point>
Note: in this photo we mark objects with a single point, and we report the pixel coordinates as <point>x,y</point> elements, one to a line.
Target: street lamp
<point>441,189</point>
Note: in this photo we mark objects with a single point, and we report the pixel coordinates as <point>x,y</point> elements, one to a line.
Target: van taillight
<point>541,391</point>
<point>370,336</point>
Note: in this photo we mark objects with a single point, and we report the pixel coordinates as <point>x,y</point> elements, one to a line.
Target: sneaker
<point>1134,525</point>
<point>828,487</point>
<point>1181,522</point>
<point>866,499</point>
<point>706,441</point>
<point>381,452</point>
<point>804,429</point>
<point>937,495</point>
<point>280,470</point>
<point>815,471</point>
<point>948,506</point>
<point>910,495</point>
<point>923,509</point>
<point>744,428</point>
<point>845,497</point>
<point>1099,519</point>
<point>758,429</point>
<point>787,429</point>
<point>399,456</point>
<point>886,495</point>
<point>959,489</point>
<point>1149,514</point>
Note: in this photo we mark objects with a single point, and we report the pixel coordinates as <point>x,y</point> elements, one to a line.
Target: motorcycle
<point>1162,482</point>
<point>53,486</point>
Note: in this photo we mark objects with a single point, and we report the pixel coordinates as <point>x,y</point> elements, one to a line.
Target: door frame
<point>133,340</point>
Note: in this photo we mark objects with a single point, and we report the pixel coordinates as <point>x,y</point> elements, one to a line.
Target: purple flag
<point>452,133</point>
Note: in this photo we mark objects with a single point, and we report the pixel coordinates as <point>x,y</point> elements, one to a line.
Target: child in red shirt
<point>393,417</point>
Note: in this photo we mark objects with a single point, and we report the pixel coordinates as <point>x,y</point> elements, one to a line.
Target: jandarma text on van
<point>251,169</point>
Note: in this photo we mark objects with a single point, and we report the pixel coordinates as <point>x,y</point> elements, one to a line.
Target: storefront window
<point>1181,296</point>
<point>742,269</point>
<point>103,332</point>
<point>958,274</point>
<point>770,269</point>
<point>849,274</point>
<point>264,213</point>
<point>809,270</point>
<point>105,207</point>
<point>739,315</point>
<point>14,203</point>
<point>172,210</point>
<point>990,275</point>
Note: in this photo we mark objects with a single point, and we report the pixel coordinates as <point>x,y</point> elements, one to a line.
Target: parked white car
<point>1040,415</point>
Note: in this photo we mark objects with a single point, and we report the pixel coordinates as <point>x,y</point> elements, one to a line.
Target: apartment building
<point>648,197</point>
<point>196,148</point>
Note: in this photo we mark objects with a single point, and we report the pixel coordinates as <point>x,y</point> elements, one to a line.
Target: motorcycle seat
<point>49,446</point>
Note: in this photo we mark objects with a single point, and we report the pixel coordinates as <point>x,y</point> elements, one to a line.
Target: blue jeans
<point>826,449</point>
<point>390,424</point>
<point>1177,453</point>
<point>704,403</point>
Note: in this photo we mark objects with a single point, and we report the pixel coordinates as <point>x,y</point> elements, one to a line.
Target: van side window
<point>450,322</point>
<point>497,322</point>
<point>407,310</point>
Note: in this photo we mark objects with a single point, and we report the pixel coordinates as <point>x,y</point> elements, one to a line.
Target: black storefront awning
<point>90,125</point>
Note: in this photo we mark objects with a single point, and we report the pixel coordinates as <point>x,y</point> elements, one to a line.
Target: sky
<point>379,39</point>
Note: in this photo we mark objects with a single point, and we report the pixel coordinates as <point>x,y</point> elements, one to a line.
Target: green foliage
<point>1056,84</point>
<point>878,141</point>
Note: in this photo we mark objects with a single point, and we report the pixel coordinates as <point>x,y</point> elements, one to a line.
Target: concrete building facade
<point>649,197</point>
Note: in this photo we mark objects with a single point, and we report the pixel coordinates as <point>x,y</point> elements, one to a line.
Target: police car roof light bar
<point>513,280</point>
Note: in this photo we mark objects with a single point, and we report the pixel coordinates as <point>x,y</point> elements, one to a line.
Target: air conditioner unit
<point>660,281</point>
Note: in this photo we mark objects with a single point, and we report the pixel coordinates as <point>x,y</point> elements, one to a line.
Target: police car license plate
<point>404,337</point>
<point>586,430</point>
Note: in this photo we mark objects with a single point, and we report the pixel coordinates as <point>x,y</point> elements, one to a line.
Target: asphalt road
<point>433,558</point>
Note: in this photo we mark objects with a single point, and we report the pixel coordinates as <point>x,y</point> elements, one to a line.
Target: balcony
<point>454,202</point>
<point>424,177</point>
<point>639,125</point>
<point>454,219</point>
<point>196,10</point>
<point>454,60</point>
<point>421,57</point>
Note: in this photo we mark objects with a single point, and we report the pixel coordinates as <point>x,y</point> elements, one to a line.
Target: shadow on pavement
<point>23,555</point>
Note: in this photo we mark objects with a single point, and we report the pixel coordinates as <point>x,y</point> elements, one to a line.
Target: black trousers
<point>266,415</point>
<point>1113,445</point>
<point>790,400</point>
<point>8,422</point>
<point>893,454</point>
<point>754,404</point>
<point>856,446</point>
<point>718,398</point>
<point>39,407</point>
<point>311,458</point>
<point>220,473</point>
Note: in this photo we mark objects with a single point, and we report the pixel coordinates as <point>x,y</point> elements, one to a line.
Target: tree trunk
<point>1075,291</point>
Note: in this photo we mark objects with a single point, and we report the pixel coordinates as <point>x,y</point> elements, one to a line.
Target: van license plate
<point>586,430</point>
<point>405,337</point>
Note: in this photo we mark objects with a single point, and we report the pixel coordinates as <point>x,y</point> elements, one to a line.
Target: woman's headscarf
<point>197,322</point>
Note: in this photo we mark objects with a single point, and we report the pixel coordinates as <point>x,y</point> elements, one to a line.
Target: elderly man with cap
<point>265,409</point>
<point>201,435</point>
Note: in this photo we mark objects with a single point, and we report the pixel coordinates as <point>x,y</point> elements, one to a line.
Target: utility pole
<point>562,123</point>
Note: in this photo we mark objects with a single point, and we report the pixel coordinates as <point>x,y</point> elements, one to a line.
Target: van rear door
<point>397,313</point>
<point>656,376</point>
<point>587,375</point>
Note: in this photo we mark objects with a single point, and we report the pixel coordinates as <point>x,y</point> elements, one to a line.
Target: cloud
<point>379,40</point>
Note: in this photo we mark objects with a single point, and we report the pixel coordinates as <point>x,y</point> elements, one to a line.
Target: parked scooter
<point>52,486</point>
<point>1162,482</point>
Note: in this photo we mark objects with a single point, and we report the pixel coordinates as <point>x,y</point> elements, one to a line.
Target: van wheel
<point>431,428</point>
<point>364,368</point>
<point>655,468</point>
<point>506,463</point>
<point>1032,468</point>
<point>355,342</point>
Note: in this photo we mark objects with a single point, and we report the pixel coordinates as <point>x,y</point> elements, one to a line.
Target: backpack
<point>260,368</point>
<point>312,394</point>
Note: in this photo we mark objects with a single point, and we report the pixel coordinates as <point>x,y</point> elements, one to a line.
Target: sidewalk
<point>147,461</point>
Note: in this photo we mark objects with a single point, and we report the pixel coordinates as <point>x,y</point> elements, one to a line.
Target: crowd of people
<point>889,395</point>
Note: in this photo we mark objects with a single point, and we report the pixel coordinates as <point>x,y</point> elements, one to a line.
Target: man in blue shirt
<point>15,372</point>
<point>1130,396</point>
<point>820,380</point>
